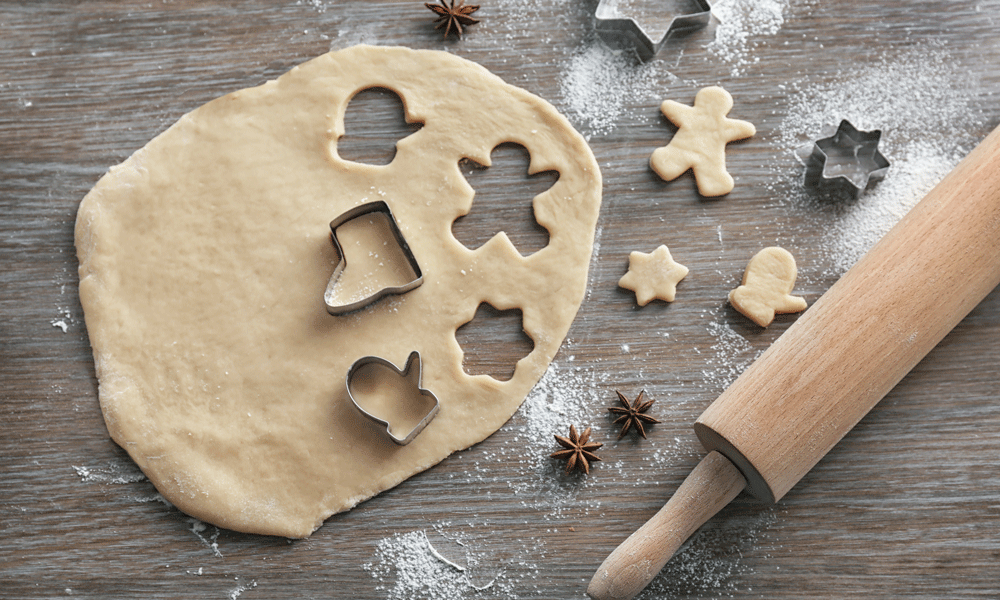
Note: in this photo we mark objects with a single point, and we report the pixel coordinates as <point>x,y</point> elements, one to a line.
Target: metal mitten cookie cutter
<point>378,206</point>
<point>618,30</point>
<point>849,158</point>
<point>411,362</point>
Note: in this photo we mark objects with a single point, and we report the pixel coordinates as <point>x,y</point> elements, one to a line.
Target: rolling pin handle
<point>711,485</point>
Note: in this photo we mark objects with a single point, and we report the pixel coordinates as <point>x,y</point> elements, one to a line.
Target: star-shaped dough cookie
<point>700,142</point>
<point>653,275</point>
<point>767,286</point>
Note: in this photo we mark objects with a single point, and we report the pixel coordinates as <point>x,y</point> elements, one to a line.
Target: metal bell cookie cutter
<point>414,359</point>
<point>364,209</point>
<point>849,158</point>
<point>618,30</point>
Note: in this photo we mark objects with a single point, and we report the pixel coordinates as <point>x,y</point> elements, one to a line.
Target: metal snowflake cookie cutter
<point>849,158</point>
<point>414,359</point>
<point>335,308</point>
<point>618,30</point>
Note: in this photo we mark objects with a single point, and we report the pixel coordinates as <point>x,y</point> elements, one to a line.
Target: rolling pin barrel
<point>786,411</point>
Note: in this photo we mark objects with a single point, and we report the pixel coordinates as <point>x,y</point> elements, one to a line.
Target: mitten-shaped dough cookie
<point>766,287</point>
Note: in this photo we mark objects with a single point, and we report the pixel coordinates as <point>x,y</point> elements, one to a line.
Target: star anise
<point>632,414</point>
<point>577,451</point>
<point>451,16</point>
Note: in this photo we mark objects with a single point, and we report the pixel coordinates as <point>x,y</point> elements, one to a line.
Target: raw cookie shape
<point>653,275</point>
<point>700,142</point>
<point>205,255</point>
<point>766,287</point>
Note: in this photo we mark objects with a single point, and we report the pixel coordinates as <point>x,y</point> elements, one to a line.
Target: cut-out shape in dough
<point>490,338</point>
<point>509,169</point>
<point>700,141</point>
<point>375,120</point>
<point>767,285</point>
<point>375,260</point>
<point>204,257</point>
<point>653,276</point>
<point>392,397</point>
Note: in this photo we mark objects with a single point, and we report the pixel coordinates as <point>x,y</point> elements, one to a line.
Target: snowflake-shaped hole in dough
<point>493,341</point>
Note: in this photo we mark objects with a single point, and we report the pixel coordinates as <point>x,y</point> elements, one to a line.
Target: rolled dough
<point>204,258</point>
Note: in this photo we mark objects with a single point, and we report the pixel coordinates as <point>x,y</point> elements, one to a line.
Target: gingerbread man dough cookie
<point>700,143</point>
<point>766,287</point>
<point>653,275</point>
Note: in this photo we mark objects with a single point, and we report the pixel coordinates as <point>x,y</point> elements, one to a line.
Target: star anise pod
<point>577,451</point>
<point>451,16</point>
<point>632,414</point>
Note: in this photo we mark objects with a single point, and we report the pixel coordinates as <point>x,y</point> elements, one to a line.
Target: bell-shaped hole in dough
<point>396,399</point>
<point>493,341</point>
<point>373,122</point>
<point>504,191</point>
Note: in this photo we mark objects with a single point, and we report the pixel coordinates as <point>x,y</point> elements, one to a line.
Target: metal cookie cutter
<point>618,30</point>
<point>848,158</point>
<point>378,206</point>
<point>414,359</point>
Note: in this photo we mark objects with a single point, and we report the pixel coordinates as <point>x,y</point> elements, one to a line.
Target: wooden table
<point>908,505</point>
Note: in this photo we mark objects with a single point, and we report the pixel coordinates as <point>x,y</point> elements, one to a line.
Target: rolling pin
<point>843,355</point>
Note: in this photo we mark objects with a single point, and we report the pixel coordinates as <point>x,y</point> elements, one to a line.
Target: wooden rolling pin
<point>842,356</point>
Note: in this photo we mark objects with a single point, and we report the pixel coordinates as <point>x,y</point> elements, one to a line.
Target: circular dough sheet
<point>203,263</point>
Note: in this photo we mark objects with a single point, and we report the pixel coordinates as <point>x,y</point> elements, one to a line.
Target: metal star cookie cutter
<point>618,30</point>
<point>363,209</point>
<point>849,158</point>
<point>414,359</point>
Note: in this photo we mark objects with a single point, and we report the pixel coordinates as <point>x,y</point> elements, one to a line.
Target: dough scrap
<point>204,258</point>
<point>653,275</point>
<point>700,142</point>
<point>766,287</point>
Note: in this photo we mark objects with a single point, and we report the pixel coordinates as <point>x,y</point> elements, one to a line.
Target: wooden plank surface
<point>908,505</point>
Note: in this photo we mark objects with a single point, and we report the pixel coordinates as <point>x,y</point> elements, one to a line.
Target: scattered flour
<point>199,528</point>
<point>239,589</point>
<point>916,170</point>
<point>64,320</point>
<point>742,25</point>
<point>598,84</point>
<point>924,103</point>
<point>922,94</point>
<point>564,396</point>
<point>712,560</point>
<point>418,570</point>
<point>318,5</point>
<point>116,472</point>
<point>731,355</point>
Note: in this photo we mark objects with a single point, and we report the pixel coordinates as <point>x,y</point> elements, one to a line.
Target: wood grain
<point>907,505</point>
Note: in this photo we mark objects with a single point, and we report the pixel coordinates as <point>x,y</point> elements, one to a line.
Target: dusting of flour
<point>922,101</point>
<point>743,24</point>
<point>918,168</point>
<point>598,84</point>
